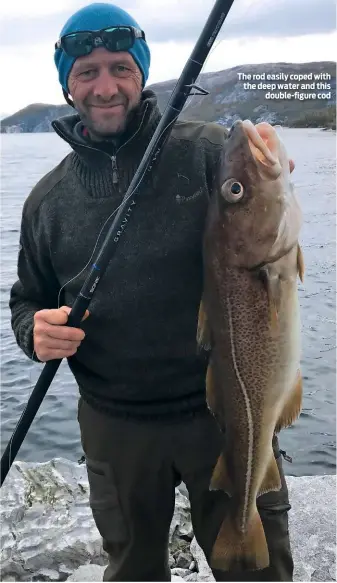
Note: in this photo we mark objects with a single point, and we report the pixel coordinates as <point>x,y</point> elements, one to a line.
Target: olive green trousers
<point>133,468</point>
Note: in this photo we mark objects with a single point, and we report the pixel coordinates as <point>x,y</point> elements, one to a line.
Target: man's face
<point>105,88</point>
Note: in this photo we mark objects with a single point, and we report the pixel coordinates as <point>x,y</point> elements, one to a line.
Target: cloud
<point>41,27</point>
<point>182,20</point>
<point>287,18</point>
<point>255,18</point>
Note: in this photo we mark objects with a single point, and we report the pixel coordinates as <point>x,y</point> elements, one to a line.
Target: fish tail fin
<point>242,551</point>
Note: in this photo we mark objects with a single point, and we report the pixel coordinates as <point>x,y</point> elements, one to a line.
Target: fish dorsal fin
<point>272,286</point>
<point>204,331</point>
<point>300,263</point>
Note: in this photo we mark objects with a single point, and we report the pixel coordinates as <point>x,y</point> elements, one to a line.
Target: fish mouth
<point>263,142</point>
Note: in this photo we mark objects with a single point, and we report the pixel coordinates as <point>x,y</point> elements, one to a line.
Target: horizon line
<point>175,79</point>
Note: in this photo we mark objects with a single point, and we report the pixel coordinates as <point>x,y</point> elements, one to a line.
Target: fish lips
<point>249,145</point>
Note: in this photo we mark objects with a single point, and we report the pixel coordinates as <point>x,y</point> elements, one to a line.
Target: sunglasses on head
<point>114,38</point>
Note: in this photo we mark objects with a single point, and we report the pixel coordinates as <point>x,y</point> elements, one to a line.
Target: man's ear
<point>67,98</point>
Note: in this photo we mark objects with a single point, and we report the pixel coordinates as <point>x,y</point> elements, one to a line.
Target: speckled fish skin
<point>250,318</point>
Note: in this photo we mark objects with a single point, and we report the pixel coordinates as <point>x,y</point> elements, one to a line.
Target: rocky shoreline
<point>48,533</point>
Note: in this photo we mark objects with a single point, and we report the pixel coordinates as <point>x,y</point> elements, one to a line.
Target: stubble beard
<point>100,131</point>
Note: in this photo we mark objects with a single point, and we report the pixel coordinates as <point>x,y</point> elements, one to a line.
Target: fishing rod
<point>178,98</point>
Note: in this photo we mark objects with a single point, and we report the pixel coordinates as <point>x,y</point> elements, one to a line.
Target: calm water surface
<point>54,432</point>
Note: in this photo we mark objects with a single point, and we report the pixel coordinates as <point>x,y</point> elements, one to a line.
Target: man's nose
<point>105,85</point>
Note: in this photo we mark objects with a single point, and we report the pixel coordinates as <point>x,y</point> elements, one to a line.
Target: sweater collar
<point>137,135</point>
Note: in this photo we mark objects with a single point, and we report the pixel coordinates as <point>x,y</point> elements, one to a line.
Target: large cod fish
<point>249,318</point>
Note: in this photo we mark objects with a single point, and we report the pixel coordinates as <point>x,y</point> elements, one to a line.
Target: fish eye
<point>236,188</point>
<point>232,190</point>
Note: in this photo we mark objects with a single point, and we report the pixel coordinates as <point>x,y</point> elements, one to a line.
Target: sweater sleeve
<point>36,287</point>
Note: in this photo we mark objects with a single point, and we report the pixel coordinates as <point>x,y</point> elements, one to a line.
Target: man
<point>144,422</point>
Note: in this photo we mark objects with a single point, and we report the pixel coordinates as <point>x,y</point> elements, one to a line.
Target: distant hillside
<point>34,118</point>
<point>227,100</point>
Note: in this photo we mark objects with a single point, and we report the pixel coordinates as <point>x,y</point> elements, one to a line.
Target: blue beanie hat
<point>95,17</point>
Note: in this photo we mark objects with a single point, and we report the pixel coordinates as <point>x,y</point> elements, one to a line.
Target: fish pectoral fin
<point>272,287</point>
<point>220,479</point>
<point>272,479</point>
<point>246,551</point>
<point>293,406</point>
<point>300,263</point>
<point>203,331</point>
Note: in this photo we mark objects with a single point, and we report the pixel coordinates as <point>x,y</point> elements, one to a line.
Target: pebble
<point>184,561</point>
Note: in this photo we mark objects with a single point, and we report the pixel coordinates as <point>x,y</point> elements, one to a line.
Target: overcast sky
<point>255,31</point>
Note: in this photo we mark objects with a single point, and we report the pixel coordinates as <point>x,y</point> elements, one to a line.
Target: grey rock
<point>192,577</point>
<point>181,572</point>
<point>49,575</point>
<point>48,533</point>
<point>179,545</point>
<point>182,488</point>
<point>184,560</point>
<point>88,573</point>
<point>192,566</point>
<point>46,520</point>
<point>204,571</point>
<point>47,526</point>
<point>332,572</point>
<point>312,526</point>
<point>181,521</point>
<point>95,573</point>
